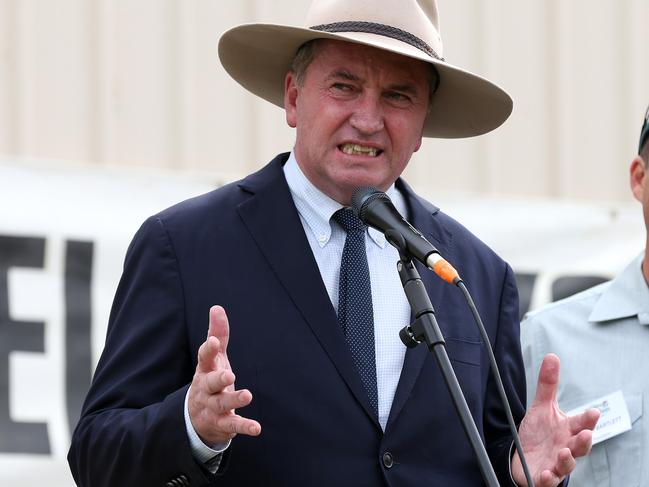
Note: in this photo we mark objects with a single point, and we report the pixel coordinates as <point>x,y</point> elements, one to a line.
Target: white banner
<point>63,235</point>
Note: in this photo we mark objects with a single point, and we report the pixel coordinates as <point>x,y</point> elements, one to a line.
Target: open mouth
<point>361,150</point>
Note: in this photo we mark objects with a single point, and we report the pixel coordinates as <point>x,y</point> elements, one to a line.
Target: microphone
<point>376,210</point>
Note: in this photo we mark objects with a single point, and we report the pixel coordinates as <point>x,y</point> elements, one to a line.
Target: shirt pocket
<point>618,460</point>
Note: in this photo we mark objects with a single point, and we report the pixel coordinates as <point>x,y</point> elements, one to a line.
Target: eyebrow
<point>404,88</point>
<point>407,88</point>
<point>342,74</point>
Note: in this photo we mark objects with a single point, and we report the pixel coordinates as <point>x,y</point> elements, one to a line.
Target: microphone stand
<point>425,328</point>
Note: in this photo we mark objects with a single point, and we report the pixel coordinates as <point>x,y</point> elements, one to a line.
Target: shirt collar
<point>626,296</point>
<point>316,208</point>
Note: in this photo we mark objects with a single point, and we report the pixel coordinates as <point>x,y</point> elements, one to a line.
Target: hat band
<point>379,29</point>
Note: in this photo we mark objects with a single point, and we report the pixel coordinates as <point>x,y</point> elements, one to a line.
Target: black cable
<point>496,375</point>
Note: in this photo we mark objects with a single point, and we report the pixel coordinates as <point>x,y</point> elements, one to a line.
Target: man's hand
<point>212,397</point>
<point>550,439</point>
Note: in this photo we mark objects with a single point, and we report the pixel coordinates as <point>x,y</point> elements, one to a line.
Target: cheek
<point>407,131</point>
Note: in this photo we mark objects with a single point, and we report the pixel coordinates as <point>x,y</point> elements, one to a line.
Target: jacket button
<point>388,460</point>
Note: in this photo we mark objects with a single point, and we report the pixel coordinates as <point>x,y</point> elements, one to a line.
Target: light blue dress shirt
<point>602,338</point>
<point>391,308</point>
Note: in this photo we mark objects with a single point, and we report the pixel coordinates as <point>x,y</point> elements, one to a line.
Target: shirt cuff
<point>511,458</point>
<point>207,455</point>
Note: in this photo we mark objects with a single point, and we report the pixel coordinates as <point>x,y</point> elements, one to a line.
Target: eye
<point>397,97</point>
<point>342,87</point>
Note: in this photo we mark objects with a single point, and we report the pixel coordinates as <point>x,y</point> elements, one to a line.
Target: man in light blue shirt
<point>602,338</point>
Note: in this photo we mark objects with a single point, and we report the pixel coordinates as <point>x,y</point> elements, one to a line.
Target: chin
<point>364,178</point>
<point>365,183</point>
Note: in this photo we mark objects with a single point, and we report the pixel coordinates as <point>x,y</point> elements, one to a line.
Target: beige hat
<point>258,56</point>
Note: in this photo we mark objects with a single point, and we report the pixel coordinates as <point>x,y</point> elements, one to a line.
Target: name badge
<point>614,416</point>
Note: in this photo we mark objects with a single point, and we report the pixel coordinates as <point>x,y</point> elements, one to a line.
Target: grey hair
<point>302,59</point>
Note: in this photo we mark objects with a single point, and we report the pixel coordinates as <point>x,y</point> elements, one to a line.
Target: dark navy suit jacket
<point>243,246</point>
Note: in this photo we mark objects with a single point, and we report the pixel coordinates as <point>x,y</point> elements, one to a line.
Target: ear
<point>290,99</point>
<point>638,178</point>
<point>418,146</point>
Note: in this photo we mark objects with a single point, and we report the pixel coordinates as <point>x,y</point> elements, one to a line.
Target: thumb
<point>548,382</point>
<point>219,326</point>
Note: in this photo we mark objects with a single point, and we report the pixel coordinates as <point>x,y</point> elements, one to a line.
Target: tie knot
<point>347,219</point>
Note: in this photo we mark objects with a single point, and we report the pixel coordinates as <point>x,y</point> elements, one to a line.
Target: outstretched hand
<point>212,397</point>
<point>550,439</point>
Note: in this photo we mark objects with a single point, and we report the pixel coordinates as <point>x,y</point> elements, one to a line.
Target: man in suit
<point>608,325</point>
<point>325,392</point>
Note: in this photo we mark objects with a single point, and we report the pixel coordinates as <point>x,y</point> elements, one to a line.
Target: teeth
<point>358,149</point>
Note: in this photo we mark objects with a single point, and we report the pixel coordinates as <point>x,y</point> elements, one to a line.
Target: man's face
<point>359,116</point>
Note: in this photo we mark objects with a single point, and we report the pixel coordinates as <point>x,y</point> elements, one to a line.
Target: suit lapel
<point>422,217</point>
<point>273,221</point>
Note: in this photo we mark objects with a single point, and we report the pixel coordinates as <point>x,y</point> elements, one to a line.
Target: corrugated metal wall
<point>138,83</point>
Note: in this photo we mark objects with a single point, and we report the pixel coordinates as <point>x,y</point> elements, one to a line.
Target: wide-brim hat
<point>258,56</point>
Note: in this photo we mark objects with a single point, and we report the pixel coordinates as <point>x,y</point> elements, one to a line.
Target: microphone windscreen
<point>364,195</point>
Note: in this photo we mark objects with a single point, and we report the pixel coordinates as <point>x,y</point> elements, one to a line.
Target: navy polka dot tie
<point>355,312</point>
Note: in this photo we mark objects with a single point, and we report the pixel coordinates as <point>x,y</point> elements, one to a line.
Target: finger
<point>584,421</point>
<point>207,354</point>
<point>547,479</point>
<point>236,425</point>
<point>546,389</point>
<point>581,444</point>
<point>219,326</point>
<point>227,402</point>
<point>218,380</point>
<point>566,463</point>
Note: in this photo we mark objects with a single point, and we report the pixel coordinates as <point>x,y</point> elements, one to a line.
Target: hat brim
<point>258,57</point>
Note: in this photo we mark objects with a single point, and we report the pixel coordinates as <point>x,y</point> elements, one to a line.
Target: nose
<point>367,117</point>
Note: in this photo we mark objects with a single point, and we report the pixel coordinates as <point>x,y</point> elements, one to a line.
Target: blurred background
<point>111,110</point>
